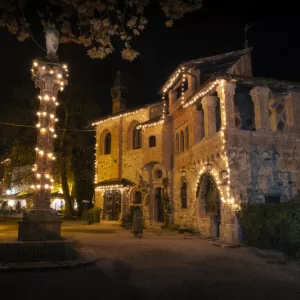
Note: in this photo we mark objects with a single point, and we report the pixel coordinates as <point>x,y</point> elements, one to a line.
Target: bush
<point>128,220</point>
<point>93,215</point>
<point>273,226</point>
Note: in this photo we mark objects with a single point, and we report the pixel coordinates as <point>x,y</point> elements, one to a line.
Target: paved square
<point>160,265</point>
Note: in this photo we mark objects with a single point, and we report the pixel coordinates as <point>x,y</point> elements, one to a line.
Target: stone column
<point>292,108</point>
<point>226,92</point>
<point>260,97</point>
<point>209,104</point>
<point>42,222</point>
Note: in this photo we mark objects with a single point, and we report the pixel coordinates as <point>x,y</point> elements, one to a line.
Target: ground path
<point>161,265</point>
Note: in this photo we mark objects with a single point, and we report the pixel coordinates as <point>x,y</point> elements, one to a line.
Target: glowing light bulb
<point>46,97</point>
<point>38,125</point>
<point>35,64</point>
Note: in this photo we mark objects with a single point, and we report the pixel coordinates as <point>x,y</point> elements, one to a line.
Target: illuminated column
<point>260,97</point>
<point>209,104</point>
<point>49,78</point>
<point>226,93</point>
<point>292,108</point>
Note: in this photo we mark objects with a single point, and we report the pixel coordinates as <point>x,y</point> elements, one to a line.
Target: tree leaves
<point>92,23</point>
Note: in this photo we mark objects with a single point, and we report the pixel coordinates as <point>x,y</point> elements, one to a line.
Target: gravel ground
<point>158,266</point>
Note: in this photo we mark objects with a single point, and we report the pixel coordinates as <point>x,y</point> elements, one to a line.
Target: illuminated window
<point>177,144</point>
<point>107,143</point>
<point>187,138</point>
<point>181,141</point>
<point>152,141</point>
<point>136,138</point>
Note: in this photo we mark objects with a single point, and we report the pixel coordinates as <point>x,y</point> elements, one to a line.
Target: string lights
<point>50,78</point>
<point>112,187</point>
<point>223,189</point>
<point>202,93</point>
<point>118,116</point>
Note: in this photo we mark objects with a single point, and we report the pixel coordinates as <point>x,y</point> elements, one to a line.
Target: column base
<point>40,225</point>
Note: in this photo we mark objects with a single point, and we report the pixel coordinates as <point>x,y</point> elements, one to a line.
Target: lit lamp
<point>208,167</point>
<point>182,173</point>
<point>224,176</point>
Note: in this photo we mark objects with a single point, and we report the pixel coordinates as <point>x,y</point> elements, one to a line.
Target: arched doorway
<point>159,215</point>
<point>209,204</point>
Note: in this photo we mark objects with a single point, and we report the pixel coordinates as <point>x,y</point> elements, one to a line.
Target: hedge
<point>273,226</point>
<point>93,215</point>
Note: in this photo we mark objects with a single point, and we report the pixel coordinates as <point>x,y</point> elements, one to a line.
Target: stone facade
<point>227,138</point>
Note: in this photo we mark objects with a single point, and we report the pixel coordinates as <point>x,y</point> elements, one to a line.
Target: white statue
<point>51,42</point>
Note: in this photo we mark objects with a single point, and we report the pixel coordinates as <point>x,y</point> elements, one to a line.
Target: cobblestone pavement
<point>161,265</point>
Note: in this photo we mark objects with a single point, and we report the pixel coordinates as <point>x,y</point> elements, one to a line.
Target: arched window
<point>177,144</point>
<point>201,111</point>
<point>183,195</point>
<point>137,197</point>
<point>107,143</point>
<point>152,141</point>
<point>187,138</point>
<point>136,138</point>
<point>181,141</point>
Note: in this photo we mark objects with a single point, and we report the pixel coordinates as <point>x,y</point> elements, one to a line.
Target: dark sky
<point>217,28</point>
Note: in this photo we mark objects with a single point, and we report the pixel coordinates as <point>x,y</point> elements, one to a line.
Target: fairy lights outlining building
<point>220,137</point>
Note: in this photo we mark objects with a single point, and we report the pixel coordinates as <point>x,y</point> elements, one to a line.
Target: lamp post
<point>42,222</point>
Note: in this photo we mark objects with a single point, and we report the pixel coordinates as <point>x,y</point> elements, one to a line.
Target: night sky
<point>215,29</point>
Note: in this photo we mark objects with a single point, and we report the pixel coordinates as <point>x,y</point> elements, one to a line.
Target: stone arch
<point>209,203</point>
<point>206,181</point>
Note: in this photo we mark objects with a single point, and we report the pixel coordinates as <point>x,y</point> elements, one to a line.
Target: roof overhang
<point>114,184</point>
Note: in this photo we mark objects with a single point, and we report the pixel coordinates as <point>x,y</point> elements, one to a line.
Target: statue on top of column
<point>52,40</point>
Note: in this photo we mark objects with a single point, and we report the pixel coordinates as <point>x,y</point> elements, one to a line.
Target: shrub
<point>93,215</point>
<point>274,226</point>
<point>128,220</point>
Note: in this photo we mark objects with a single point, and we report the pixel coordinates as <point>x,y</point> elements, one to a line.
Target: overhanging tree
<point>98,26</point>
<point>95,24</point>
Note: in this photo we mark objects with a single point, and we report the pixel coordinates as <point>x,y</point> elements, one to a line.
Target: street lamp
<point>208,167</point>
<point>182,173</point>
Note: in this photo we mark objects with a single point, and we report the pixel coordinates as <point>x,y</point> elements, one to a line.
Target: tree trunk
<point>69,211</point>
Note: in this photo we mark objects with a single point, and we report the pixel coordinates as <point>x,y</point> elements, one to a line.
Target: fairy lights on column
<point>49,78</point>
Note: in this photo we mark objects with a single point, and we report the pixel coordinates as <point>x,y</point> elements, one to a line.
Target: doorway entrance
<point>209,204</point>
<point>112,205</point>
<point>159,215</point>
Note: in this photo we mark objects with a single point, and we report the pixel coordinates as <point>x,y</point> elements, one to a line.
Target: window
<point>201,124</point>
<point>136,138</point>
<point>183,195</point>
<point>107,143</point>
<point>152,141</point>
<point>181,141</point>
<point>137,197</point>
<point>187,138</point>
<point>177,144</point>
<point>158,174</point>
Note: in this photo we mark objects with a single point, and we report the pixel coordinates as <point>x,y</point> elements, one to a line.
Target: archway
<point>209,204</point>
<point>159,215</point>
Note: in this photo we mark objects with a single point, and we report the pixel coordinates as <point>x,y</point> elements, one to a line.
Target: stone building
<point>219,137</point>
